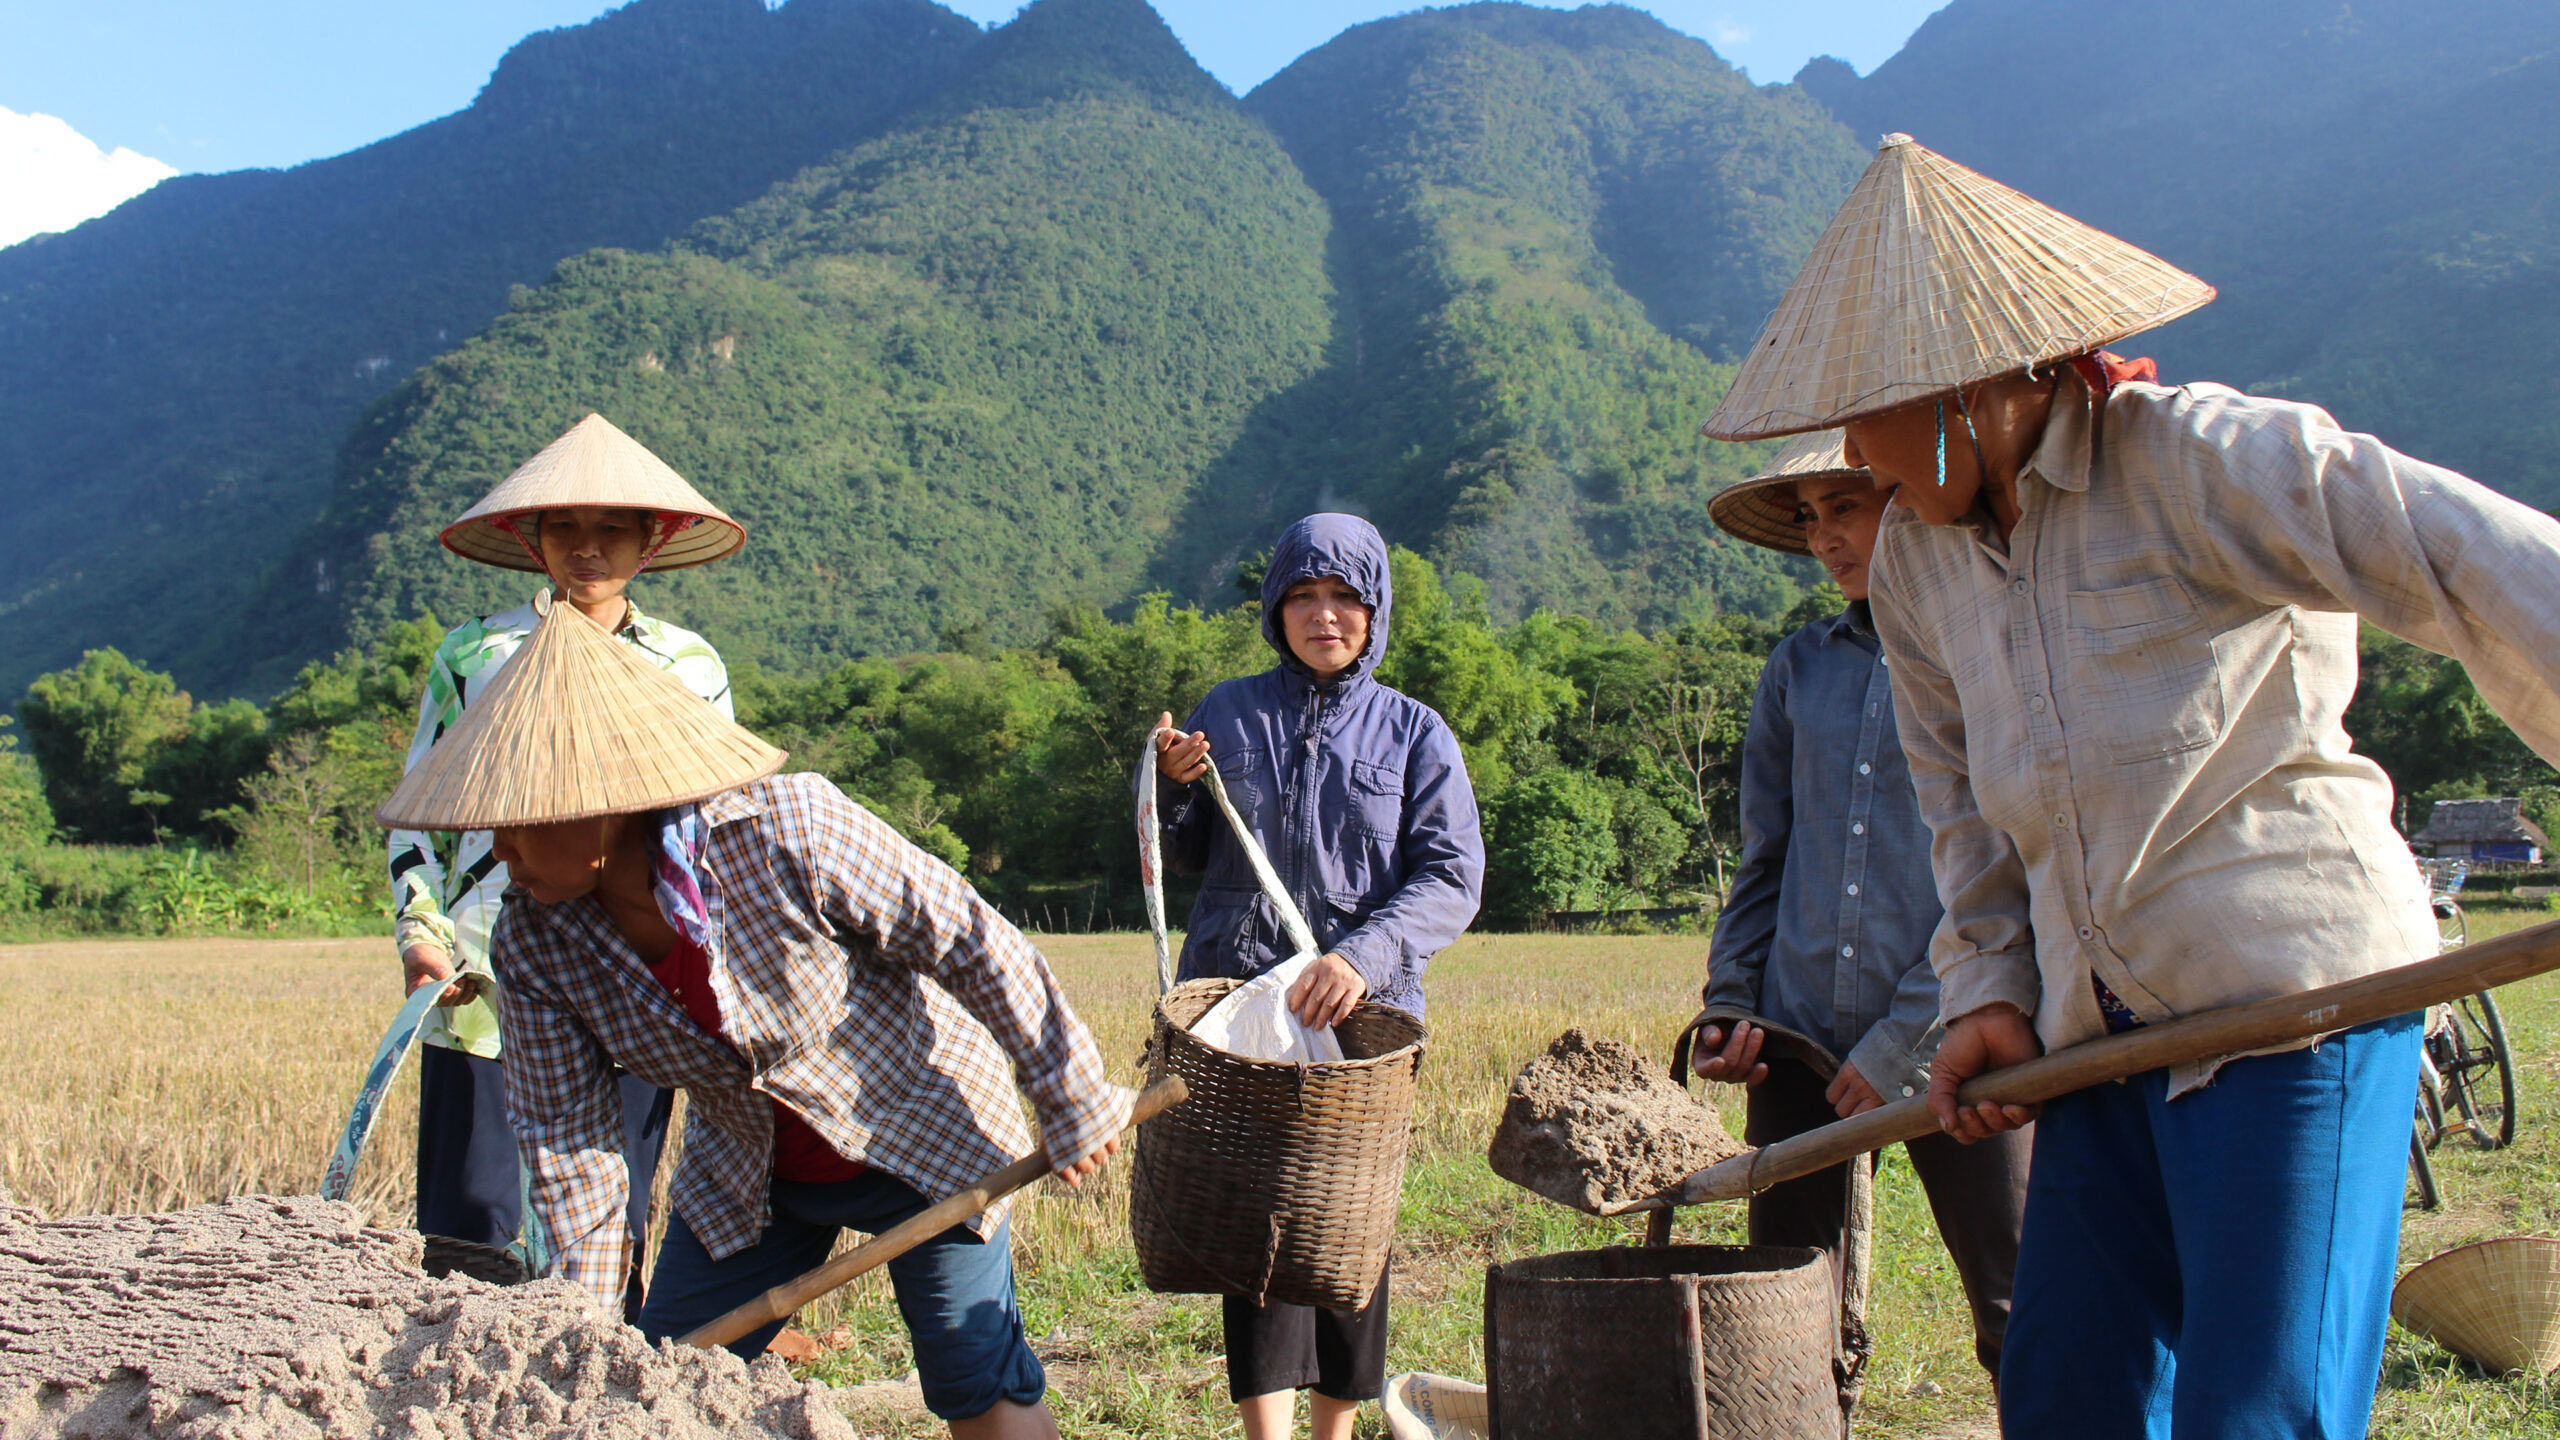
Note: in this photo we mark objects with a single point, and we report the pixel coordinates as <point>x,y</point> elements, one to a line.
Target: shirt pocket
<point>2143,661</point>
<point>1377,799</point>
<point>1241,771</point>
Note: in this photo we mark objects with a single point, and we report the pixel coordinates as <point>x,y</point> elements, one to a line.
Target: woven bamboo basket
<point>1275,1180</point>
<point>1672,1342</point>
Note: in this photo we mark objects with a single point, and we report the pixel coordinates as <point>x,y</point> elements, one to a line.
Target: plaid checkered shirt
<point>2124,724</point>
<point>861,982</point>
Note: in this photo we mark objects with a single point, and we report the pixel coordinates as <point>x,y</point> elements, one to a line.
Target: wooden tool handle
<point>785,1300</point>
<point>2233,1031</point>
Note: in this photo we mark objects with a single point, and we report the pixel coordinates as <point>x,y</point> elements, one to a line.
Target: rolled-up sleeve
<point>1442,847</point>
<point>566,1111</point>
<point>1738,953</point>
<point>1984,950</point>
<point>921,916</point>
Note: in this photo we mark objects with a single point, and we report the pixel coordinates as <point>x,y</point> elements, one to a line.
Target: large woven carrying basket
<point>1675,1342</point>
<point>1274,1180</point>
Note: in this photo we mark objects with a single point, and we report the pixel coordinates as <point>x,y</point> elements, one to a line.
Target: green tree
<point>1444,650</point>
<point>26,825</point>
<point>95,731</point>
<point>1549,845</point>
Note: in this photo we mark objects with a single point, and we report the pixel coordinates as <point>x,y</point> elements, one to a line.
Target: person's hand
<point>1733,1059</point>
<point>1327,994</point>
<point>1074,1175</point>
<point>1850,1094</point>
<point>425,965</point>
<point>1180,758</point>
<point>1994,1037</point>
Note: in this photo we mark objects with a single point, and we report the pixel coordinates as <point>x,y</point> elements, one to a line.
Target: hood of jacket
<point>1347,548</point>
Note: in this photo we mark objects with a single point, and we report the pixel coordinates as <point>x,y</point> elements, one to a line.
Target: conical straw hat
<point>2496,1303</point>
<point>1763,509</point>
<point>594,464</point>
<point>575,726</point>
<point>1930,277</point>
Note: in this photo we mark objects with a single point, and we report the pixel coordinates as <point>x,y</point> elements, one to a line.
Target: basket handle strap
<point>1151,860</point>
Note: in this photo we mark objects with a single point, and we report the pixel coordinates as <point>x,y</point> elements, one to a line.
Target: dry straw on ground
<point>154,1075</point>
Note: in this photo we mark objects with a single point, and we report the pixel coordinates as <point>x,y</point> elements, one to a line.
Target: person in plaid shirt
<point>848,1019</point>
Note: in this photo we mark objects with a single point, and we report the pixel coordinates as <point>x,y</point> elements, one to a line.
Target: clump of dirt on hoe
<point>1592,1125</point>
<point>262,1318</point>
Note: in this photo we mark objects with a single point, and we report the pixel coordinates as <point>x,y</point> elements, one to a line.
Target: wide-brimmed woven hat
<point>1764,510</point>
<point>1932,276</point>
<point>595,464</point>
<point>575,726</point>
<point>2496,1303</point>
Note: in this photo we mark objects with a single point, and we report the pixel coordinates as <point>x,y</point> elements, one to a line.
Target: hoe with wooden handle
<point>783,1301</point>
<point>2234,1031</point>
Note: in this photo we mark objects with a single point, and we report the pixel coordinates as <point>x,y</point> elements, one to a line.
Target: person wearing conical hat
<point>590,511</point>
<point>1819,995</point>
<point>2122,623</point>
<point>853,1026</point>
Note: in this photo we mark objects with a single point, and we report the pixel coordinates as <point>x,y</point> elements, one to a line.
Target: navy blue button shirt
<point>1827,927</point>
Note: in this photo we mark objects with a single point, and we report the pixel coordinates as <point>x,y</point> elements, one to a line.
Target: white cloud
<point>1728,33</point>
<point>52,177</point>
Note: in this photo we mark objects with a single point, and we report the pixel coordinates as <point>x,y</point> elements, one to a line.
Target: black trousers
<point>1342,1354</point>
<point>467,1186</point>
<point>1977,1193</point>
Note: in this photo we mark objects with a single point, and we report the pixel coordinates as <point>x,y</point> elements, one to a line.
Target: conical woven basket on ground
<point>1274,1180</point>
<point>2496,1303</point>
<point>1675,1342</point>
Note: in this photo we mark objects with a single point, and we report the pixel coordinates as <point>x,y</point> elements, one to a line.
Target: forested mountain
<point>1078,326</point>
<point>949,380</point>
<point>2369,182</point>
<point>971,325</point>
<point>176,377</point>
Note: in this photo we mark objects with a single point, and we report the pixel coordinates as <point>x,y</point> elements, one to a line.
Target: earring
<point>1942,444</point>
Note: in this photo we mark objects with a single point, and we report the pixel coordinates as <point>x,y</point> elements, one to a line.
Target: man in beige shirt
<point>2121,620</point>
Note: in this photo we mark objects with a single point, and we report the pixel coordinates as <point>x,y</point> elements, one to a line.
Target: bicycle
<point>2466,1080</point>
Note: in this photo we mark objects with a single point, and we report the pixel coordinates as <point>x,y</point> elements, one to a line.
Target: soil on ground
<point>265,1318</point>
<point>1593,1125</point>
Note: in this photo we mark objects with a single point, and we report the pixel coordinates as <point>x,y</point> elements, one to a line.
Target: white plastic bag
<point>1255,1020</point>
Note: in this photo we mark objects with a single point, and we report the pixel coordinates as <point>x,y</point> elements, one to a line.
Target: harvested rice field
<point>157,1075</point>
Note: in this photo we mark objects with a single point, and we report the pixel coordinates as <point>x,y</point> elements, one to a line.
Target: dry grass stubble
<point>156,1074</point>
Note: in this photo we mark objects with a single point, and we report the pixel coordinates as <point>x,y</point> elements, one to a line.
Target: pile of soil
<point>1592,1125</point>
<point>263,1318</point>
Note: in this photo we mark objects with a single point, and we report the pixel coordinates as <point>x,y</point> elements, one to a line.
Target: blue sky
<point>275,82</point>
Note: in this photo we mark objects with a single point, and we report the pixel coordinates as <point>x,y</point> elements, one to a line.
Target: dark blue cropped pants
<point>2219,1266</point>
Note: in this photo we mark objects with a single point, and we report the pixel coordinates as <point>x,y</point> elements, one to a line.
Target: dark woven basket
<point>1671,1343</point>
<point>1274,1180</point>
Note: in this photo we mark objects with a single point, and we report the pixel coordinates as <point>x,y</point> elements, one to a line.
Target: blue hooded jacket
<point>1357,793</point>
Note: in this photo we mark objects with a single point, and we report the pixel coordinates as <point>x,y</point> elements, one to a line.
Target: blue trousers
<point>467,1185</point>
<point>2217,1267</point>
<point>955,1291</point>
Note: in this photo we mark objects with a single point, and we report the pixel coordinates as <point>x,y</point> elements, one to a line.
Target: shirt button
<point>1858,827</point>
<point>1864,768</point>
<point>2088,934</point>
<point>1906,1092</point>
<point>2017,587</point>
<point>2061,822</point>
<point>1848,950</point>
<point>2036,704</point>
<point>1853,889</point>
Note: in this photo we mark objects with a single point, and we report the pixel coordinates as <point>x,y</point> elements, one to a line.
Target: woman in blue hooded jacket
<point>1361,798</point>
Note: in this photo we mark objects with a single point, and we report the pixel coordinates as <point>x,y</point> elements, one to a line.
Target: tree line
<point>1606,760</point>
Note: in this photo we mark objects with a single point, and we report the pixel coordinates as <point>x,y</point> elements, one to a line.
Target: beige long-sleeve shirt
<point>2124,724</point>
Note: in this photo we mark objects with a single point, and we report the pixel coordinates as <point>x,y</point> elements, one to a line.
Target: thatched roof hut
<point>2492,829</point>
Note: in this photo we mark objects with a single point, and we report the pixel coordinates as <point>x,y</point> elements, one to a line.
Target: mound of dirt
<point>262,1318</point>
<point>1590,1124</point>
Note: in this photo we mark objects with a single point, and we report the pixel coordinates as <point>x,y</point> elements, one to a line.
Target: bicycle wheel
<point>2422,1169</point>
<point>2482,1079</point>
